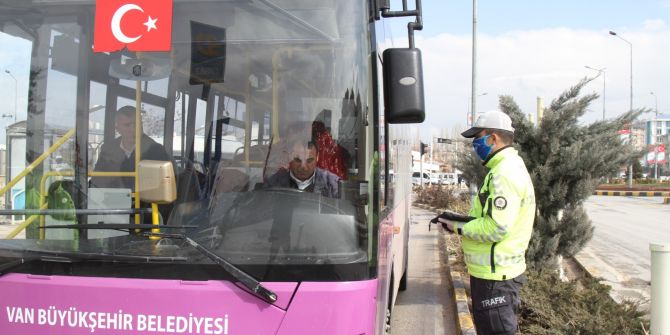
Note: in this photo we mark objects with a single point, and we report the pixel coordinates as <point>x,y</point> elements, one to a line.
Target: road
<point>6,228</point>
<point>619,251</point>
<point>426,307</point>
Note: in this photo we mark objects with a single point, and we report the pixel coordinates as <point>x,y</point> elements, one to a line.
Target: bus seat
<point>229,180</point>
<point>189,185</point>
<point>188,213</point>
<point>257,153</point>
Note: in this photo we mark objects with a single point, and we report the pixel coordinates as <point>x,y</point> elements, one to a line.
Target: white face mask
<point>302,184</point>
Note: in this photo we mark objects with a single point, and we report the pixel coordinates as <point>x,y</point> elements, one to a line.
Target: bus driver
<point>302,173</point>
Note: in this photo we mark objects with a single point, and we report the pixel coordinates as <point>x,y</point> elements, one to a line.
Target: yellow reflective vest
<point>495,242</point>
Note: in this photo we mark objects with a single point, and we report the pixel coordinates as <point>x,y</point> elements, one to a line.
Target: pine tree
<point>566,161</point>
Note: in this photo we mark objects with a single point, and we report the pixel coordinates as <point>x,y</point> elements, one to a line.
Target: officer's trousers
<point>496,304</point>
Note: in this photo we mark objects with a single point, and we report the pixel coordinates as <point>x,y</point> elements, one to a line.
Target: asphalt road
<point>426,307</point>
<point>619,251</point>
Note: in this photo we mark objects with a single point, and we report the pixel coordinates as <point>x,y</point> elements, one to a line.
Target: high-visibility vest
<point>495,242</point>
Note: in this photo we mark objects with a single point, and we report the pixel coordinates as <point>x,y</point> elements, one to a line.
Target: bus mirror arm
<point>384,6</point>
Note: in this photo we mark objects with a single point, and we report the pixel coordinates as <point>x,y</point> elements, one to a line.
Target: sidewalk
<point>458,301</point>
<point>628,281</point>
<point>427,306</point>
<point>6,228</point>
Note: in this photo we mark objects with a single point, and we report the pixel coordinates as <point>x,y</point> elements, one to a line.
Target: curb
<point>466,325</point>
<point>633,193</point>
<point>590,272</point>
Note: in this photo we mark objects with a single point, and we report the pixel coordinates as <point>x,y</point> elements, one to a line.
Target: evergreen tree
<point>637,169</point>
<point>566,160</point>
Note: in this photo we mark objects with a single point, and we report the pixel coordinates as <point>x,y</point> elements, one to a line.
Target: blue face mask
<point>482,149</point>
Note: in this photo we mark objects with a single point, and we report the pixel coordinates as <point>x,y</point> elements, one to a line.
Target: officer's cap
<point>490,120</point>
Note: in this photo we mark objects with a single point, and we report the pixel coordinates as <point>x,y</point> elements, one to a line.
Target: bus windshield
<point>260,108</point>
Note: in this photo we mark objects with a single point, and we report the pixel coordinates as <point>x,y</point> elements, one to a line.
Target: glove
<point>451,216</point>
<point>447,217</point>
<point>444,222</point>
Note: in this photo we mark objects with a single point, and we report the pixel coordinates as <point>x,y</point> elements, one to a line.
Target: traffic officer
<point>496,237</point>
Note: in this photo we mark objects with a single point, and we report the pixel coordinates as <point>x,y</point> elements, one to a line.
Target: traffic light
<point>423,148</point>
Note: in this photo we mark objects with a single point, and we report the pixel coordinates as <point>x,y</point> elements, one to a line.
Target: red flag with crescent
<point>140,25</point>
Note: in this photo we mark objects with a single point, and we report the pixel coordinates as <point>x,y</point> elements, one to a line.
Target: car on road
<point>416,178</point>
<point>448,179</point>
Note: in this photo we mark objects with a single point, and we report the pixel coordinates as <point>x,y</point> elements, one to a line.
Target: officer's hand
<point>446,224</point>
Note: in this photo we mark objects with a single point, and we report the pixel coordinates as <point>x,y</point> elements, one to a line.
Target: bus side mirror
<point>403,86</point>
<point>157,182</point>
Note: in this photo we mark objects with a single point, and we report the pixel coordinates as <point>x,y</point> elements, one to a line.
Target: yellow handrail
<point>61,141</point>
<point>38,161</point>
<point>23,225</point>
<point>154,220</point>
<point>43,191</point>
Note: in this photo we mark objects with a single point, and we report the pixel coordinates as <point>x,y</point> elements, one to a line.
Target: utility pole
<point>632,137</point>
<point>430,167</point>
<point>16,93</point>
<point>600,71</point>
<point>473,94</point>
<point>655,137</point>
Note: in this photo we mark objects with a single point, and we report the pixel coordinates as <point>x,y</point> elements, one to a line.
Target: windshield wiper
<point>247,280</point>
<point>114,226</point>
<point>7,266</point>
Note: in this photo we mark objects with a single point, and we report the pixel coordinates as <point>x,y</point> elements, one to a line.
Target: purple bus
<point>205,167</point>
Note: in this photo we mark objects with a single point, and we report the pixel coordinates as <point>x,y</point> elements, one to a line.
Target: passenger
<point>302,173</point>
<point>332,156</point>
<point>118,155</point>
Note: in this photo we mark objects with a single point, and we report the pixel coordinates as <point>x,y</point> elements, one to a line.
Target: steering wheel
<point>282,189</point>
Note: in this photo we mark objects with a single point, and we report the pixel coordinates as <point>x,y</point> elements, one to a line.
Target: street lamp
<point>630,167</point>
<point>600,71</point>
<point>472,116</point>
<point>16,92</point>
<point>656,101</point>
<point>653,134</point>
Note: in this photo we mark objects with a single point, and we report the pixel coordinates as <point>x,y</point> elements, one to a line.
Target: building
<point>657,131</point>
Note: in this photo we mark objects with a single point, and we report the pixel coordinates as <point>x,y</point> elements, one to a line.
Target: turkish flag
<point>141,25</point>
<point>660,158</point>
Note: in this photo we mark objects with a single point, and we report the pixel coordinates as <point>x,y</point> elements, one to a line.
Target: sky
<point>529,49</point>
<point>526,49</point>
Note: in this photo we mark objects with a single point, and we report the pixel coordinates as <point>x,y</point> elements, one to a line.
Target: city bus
<point>182,230</point>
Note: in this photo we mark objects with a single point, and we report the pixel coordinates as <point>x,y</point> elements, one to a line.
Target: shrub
<point>553,307</point>
<point>444,197</point>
